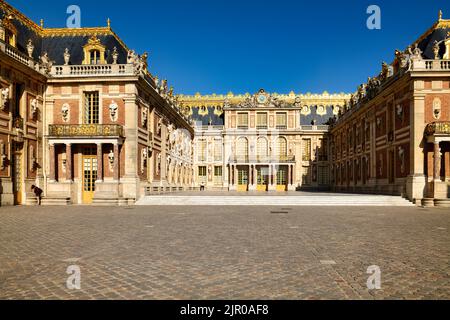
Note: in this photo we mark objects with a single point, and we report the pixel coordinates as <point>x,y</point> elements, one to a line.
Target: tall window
<point>281,147</point>
<point>323,150</point>
<point>202,174</point>
<point>261,148</point>
<point>323,176</point>
<point>306,150</point>
<point>242,120</point>
<point>218,150</point>
<point>306,176</point>
<point>281,120</point>
<point>91,108</point>
<point>95,56</point>
<point>202,150</point>
<point>242,148</point>
<point>217,175</point>
<point>261,120</point>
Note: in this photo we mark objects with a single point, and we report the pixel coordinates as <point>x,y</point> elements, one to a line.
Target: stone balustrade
<point>16,54</point>
<point>92,70</point>
<point>430,65</point>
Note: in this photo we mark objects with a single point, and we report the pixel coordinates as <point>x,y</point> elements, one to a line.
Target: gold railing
<point>85,130</point>
<point>437,128</point>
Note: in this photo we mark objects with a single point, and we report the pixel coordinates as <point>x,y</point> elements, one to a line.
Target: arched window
<point>218,144</point>
<point>242,148</point>
<point>281,147</point>
<point>262,149</point>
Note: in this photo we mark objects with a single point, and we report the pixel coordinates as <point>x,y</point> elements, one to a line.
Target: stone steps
<point>320,200</point>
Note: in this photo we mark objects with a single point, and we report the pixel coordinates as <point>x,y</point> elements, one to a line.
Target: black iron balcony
<point>262,159</point>
<point>86,130</point>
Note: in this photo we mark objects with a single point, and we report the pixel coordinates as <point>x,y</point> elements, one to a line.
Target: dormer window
<point>94,52</point>
<point>10,38</point>
<point>8,32</point>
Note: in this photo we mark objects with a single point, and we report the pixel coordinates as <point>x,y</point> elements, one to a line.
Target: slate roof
<point>305,120</point>
<point>54,43</point>
<point>55,47</point>
<point>426,42</point>
<point>211,116</point>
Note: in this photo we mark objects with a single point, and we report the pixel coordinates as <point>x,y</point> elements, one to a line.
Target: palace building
<point>394,134</point>
<point>262,142</point>
<point>83,119</point>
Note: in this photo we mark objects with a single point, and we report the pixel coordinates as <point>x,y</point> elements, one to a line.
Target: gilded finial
<point>42,23</point>
<point>108,22</point>
<point>440,14</point>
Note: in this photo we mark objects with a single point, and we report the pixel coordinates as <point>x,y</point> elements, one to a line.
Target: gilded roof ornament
<point>440,15</point>
<point>94,41</point>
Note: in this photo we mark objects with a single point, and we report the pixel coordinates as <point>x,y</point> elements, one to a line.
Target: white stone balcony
<point>17,55</point>
<point>92,70</point>
<point>430,65</point>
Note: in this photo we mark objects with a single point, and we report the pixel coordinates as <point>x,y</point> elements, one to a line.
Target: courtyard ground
<point>177,252</point>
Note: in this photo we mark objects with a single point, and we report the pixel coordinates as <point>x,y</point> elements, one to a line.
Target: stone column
<point>437,162</point>
<point>68,162</point>
<point>270,175</point>
<point>447,164</point>
<point>99,162</point>
<point>274,177</point>
<point>416,181</point>
<point>294,176</point>
<point>116,162</point>
<point>52,173</point>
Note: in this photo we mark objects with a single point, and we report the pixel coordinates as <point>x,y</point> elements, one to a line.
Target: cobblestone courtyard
<point>224,252</point>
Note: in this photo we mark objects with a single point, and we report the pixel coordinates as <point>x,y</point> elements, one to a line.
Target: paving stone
<point>224,252</point>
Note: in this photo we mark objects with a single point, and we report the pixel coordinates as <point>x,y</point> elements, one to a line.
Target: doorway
<point>282,179</point>
<point>90,167</point>
<point>242,179</point>
<point>262,178</point>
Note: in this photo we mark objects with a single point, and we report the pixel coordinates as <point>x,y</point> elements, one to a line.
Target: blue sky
<point>218,46</point>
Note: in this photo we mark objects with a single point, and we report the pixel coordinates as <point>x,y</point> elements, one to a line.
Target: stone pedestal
<point>441,189</point>
<point>6,192</point>
<point>415,187</point>
<point>106,193</point>
<point>58,193</point>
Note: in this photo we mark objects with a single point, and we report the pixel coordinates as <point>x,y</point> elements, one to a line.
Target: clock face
<point>262,98</point>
